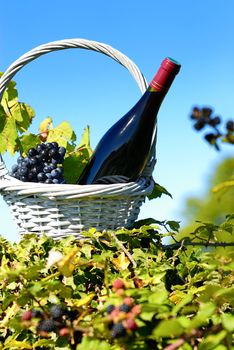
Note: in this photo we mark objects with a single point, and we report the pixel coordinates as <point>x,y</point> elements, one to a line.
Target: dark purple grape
<point>46,169</point>
<point>48,181</point>
<point>48,145</point>
<point>200,123</point>
<point>118,330</point>
<point>52,166</point>
<point>55,174</point>
<point>206,112</point>
<point>44,154</point>
<point>41,177</point>
<point>215,121</point>
<point>37,313</point>
<point>124,308</point>
<point>33,161</point>
<point>55,181</point>
<point>48,175</point>
<point>23,178</point>
<point>56,311</point>
<point>32,176</point>
<point>32,152</point>
<point>40,147</point>
<point>110,308</point>
<point>59,170</point>
<point>14,168</point>
<point>230,125</point>
<point>23,170</point>
<point>25,163</point>
<point>53,152</point>
<point>210,138</point>
<point>46,325</point>
<point>20,159</point>
<point>62,151</point>
<point>55,144</point>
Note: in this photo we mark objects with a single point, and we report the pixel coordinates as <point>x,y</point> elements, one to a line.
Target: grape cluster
<point>122,317</point>
<point>42,164</point>
<point>204,117</point>
<point>57,319</point>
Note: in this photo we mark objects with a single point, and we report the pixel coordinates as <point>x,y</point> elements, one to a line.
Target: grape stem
<point>123,248</point>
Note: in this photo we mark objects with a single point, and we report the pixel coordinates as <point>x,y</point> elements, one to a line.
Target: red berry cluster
<point>57,319</point>
<point>204,117</point>
<point>123,316</point>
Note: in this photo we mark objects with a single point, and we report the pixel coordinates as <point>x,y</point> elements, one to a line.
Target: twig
<point>189,243</point>
<point>175,345</point>
<point>120,244</point>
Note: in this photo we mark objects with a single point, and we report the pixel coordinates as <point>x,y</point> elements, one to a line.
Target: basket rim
<point>8,184</point>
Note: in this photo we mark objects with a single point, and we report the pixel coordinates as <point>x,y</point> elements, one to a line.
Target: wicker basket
<point>61,210</point>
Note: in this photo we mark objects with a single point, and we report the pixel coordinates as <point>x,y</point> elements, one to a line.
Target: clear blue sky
<point>87,88</point>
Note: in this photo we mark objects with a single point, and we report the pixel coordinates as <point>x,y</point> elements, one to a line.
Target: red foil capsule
<point>165,75</point>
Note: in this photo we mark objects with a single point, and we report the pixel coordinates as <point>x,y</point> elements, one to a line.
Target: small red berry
<point>120,292</point>
<point>136,309</point>
<point>63,332</point>
<point>117,284</point>
<point>130,324</point>
<point>27,315</point>
<point>128,301</point>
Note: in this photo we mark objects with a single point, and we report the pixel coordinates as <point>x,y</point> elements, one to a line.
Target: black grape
<point>42,164</point>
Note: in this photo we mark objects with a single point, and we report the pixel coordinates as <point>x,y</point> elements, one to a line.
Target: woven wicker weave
<point>61,210</point>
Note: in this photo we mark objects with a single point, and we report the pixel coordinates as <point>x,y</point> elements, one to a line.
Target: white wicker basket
<point>61,210</point>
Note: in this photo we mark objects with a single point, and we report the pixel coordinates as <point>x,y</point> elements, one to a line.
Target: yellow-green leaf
<point>68,264</point>
<point>45,125</point>
<point>122,262</point>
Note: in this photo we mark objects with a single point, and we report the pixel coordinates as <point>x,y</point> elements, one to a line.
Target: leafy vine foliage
<point>204,117</point>
<point>16,118</point>
<point>122,290</point>
<point>88,294</point>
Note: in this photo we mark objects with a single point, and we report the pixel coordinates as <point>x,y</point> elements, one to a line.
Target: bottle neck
<point>164,76</point>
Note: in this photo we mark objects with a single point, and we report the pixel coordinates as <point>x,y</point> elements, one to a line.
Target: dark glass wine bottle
<point>122,153</point>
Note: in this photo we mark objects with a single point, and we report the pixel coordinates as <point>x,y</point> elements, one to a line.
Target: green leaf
<point>168,328</point>
<point>28,141</point>
<point>174,225</point>
<point>8,136</point>
<point>74,164</point>
<point>23,115</point>
<point>212,340</point>
<point>15,344</point>
<point>158,191</point>
<point>62,134</point>
<point>92,344</point>
<point>228,322</point>
<point>85,141</point>
<point>204,313</point>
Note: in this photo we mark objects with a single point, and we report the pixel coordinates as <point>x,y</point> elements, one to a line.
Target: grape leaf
<point>74,165</point>
<point>85,141</point>
<point>8,135</point>
<point>121,262</point>
<point>23,114</point>
<point>28,141</point>
<point>46,124</point>
<point>61,134</point>
<point>158,191</point>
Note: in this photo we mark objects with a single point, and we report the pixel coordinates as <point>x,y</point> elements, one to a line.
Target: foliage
<point>183,295</point>
<point>214,205</point>
<point>112,290</point>
<point>15,120</point>
<point>204,117</point>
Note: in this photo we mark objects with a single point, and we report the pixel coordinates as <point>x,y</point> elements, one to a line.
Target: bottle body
<point>124,149</point>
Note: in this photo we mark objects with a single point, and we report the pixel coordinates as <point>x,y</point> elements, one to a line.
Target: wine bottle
<point>122,153</point>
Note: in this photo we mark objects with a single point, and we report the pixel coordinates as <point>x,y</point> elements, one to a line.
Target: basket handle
<point>68,44</point>
<point>71,44</point>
